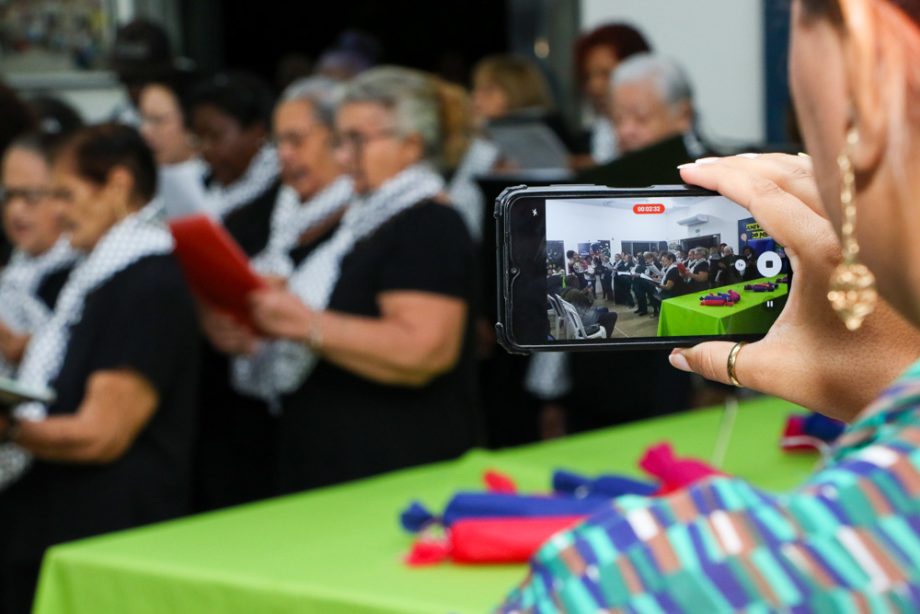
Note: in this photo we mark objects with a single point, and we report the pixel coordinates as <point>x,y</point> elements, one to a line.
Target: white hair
<point>667,75</point>
<point>410,95</point>
<point>322,93</point>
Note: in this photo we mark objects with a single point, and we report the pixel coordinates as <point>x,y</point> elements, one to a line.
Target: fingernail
<point>749,155</point>
<point>679,361</point>
<point>687,165</point>
<point>707,161</point>
<point>802,154</point>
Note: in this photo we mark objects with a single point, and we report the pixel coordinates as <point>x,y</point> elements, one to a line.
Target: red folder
<point>215,267</point>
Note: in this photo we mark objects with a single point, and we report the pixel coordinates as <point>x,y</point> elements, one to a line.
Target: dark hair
<point>96,150</point>
<point>622,39</point>
<point>670,256</point>
<point>141,51</point>
<point>55,118</point>
<point>15,117</point>
<point>570,253</point>
<point>181,84</point>
<point>241,95</point>
<point>831,9</point>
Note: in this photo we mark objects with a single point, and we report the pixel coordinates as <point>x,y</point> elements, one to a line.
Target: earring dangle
<point>852,289</point>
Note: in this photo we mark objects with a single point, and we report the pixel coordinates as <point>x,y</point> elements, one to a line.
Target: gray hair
<point>667,75</point>
<point>321,93</point>
<point>700,251</point>
<point>410,95</point>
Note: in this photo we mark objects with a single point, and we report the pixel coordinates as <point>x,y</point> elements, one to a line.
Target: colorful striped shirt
<point>848,540</point>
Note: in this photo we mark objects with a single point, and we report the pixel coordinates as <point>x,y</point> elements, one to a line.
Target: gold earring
<point>852,289</point>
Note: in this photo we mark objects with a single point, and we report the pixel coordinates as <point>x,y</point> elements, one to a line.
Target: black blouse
<point>340,426</point>
<point>143,320</point>
<point>250,225</point>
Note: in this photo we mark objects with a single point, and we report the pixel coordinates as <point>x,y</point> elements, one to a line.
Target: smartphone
<point>584,267</point>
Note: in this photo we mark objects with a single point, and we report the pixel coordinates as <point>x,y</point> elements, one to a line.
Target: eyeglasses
<point>355,141</point>
<point>31,196</point>
<point>295,139</point>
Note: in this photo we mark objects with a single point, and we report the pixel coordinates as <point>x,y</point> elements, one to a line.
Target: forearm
<point>62,438</point>
<point>383,350</point>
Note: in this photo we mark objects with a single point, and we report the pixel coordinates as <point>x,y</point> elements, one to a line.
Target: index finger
<point>786,217</point>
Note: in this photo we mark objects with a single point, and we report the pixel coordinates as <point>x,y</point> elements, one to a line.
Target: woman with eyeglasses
<point>847,539</point>
<point>42,258</point>
<point>372,352</point>
<point>113,449</point>
<point>237,443</point>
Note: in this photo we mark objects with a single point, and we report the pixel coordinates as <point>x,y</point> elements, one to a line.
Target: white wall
<point>718,42</point>
<point>574,222</point>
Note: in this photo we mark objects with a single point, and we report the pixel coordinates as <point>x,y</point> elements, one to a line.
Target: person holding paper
<point>373,352</point>
<point>42,258</point>
<point>237,442</point>
<point>120,351</point>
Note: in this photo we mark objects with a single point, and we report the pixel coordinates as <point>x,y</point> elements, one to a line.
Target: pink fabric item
<point>674,473</point>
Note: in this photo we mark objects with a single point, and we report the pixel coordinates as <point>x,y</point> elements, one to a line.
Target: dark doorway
<point>445,37</point>
<point>707,241</point>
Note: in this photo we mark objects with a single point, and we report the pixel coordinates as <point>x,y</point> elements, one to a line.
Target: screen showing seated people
<point>624,268</point>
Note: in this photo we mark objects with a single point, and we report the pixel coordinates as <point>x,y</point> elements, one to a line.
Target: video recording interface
<point>626,268</point>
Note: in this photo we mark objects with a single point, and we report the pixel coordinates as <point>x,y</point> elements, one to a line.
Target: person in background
<point>113,450</point>
<point>374,352</point>
<point>164,124</point>
<point>353,53</point>
<point>696,275</point>
<point>750,262</point>
<point>671,283</point>
<point>511,90</point>
<point>654,118</point>
<point>16,119</point>
<point>141,53</point>
<point>42,258</point>
<point>230,116</point>
<point>845,539</point>
<point>237,445</point>
<point>597,54</point>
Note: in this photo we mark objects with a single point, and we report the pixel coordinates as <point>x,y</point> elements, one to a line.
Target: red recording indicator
<point>648,209</point>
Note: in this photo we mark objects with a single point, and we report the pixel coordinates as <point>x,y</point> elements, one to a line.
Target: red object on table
<point>215,267</point>
<point>674,473</point>
<point>489,541</point>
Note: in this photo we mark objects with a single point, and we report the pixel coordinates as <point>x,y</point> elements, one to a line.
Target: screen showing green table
<point>340,550</point>
<point>684,316</point>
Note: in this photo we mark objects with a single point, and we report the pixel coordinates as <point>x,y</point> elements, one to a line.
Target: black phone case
<point>503,263</point>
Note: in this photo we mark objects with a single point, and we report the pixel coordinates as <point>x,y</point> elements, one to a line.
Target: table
<point>683,316</point>
<point>339,549</point>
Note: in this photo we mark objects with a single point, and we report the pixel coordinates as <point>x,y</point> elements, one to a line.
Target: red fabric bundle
<point>489,540</point>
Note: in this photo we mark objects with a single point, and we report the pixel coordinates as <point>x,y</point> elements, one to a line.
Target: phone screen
<point>640,269</point>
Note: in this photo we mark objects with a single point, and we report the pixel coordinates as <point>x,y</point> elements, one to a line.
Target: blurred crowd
<point>361,193</point>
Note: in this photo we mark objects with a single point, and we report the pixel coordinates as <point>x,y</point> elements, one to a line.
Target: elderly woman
<point>42,259</point>
<point>847,539</point>
<point>375,360</point>
<point>113,449</point>
<point>597,54</point>
<point>237,444</point>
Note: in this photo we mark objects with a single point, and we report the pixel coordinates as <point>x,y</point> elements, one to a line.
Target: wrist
<point>314,334</point>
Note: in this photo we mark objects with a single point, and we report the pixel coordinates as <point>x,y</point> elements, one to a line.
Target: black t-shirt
<point>700,266</point>
<point>250,225</point>
<point>340,426</point>
<point>679,286</point>
<point>49,289</point>
<point>142,319</point>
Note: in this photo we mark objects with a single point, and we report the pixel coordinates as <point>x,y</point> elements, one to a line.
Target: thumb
<point>709,360</point>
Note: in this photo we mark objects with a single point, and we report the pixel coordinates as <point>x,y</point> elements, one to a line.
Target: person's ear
<point>119,189</point>
<point>413,149</point>
<point>865,67</point>
<point>683,114</point>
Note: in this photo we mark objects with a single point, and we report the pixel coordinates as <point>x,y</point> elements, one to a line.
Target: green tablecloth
<point>339,550</point>
<point>683,316</point>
